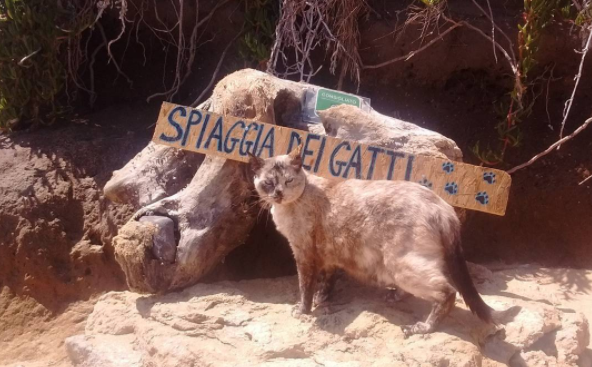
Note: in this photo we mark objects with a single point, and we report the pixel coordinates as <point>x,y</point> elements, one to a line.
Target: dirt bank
<point>55,225</point>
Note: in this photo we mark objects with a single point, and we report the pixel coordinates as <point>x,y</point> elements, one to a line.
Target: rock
<point>350,122</point>
<point>532,359</point>
<point>250,323</point>
<point>572,339</point>
<point>104,350</point>
<point>523,329</point>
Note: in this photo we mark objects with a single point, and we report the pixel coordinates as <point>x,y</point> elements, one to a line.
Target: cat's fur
<point>387,233</point>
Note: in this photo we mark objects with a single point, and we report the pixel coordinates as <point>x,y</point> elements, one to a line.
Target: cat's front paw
<point>298,311</point>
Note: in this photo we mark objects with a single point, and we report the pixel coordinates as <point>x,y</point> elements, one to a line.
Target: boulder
<point>250,323</point>
<point>350,122</point>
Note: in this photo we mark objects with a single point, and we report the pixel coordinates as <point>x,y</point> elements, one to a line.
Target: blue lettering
<point>375,152</point>
<point>354,161</point>
<point>247,143</point>
<point>203,130</point>
<point>320,155</point>
<point>234,141</point>
<point>174,123</point>
<point>394,156</point>
<point>339,164</point>
<point>191,122</point>
<point>216,133</point>
<point>409,167</point>
<point>268,142</point>
<point>256,145</point>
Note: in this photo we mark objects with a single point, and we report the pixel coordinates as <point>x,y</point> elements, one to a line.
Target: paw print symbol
<point>489,177</point>
<point>482,198</point>
<point>425,182</point>
<point>448,167</point>
<point>451,188</point>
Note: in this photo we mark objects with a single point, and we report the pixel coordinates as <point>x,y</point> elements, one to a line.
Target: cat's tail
<point>459,273</point>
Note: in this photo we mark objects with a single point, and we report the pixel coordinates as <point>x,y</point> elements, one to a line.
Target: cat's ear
<point>255,162</point>
<point>296,157</point>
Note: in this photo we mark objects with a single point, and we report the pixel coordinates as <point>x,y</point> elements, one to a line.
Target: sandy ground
<point>40,341</point>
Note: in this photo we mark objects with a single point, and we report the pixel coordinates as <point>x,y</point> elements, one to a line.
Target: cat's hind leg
<point>422,274</point>
<point>440,309</point>
<point>395,295</point>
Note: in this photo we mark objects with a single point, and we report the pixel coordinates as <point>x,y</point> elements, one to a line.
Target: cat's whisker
<point>252,205</point>
<point>262,210</point>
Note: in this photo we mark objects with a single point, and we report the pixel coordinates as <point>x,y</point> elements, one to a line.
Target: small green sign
<point>327,98</point>
<point>318,99</point>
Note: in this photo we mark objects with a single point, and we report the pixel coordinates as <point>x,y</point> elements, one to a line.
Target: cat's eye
<point>268,183</point>
<point>289,179</point>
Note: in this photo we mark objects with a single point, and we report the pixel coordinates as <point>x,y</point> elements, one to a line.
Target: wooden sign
<point>462,185</point>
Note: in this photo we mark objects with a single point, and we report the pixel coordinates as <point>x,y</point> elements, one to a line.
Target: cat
<point>396,234</point>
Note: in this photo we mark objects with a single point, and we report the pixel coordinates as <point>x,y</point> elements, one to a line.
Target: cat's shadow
<point>354,309</point>
<point>351,303</point>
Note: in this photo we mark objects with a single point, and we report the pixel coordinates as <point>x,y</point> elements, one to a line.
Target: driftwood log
<point>193,211</point>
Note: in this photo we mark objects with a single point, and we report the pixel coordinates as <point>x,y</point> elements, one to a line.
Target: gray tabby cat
<point>386,233</point>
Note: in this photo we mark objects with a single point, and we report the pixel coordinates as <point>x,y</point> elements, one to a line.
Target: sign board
<point>327,98</point>
<point>319,99</point>
<point>462,185</point>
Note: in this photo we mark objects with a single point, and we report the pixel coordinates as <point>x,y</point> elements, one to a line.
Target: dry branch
<point>306,25</point>
<point>415,52</point>
<point>185,50</point>
<point>217,70</point>
<point>578,76</point>
<point>553,146</point>
<point>507,54</point>
<point>494,26</point>
<point>586,179</point>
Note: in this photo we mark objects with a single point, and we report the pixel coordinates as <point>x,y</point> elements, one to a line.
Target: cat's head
<point>280,179</point>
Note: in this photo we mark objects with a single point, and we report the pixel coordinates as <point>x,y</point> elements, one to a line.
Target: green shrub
<point>32,62</point>
<point>261,18</point>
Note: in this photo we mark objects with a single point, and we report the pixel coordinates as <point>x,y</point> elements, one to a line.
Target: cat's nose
<point>278,193</point>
